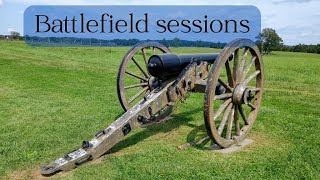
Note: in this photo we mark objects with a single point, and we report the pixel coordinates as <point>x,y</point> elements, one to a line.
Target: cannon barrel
<point>166,65</point>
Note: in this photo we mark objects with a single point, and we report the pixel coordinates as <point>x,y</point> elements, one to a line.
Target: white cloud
<point>290,1</point>
<point>11,29</point>
<point>1,2</point>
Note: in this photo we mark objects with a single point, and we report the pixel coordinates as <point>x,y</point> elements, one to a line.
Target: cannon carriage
<point>151,80</point>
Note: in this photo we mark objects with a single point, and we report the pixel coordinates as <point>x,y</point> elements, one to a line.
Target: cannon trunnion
<point>151,80</point>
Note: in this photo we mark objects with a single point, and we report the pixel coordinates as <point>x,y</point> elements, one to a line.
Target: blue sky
<point>296,21</point>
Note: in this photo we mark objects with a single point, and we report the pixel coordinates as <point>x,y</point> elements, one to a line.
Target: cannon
<point>152,80</point>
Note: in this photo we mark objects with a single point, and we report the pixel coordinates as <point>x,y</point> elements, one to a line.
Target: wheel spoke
<point>138,94</point>
<point>136,76</point>
<point>243,63</point>
<point>246,81</point>
<point>221,109</point>
<point>228,69</point>
<point>153,50</point>
<point>225,85</point>
<point>236,120</point>
<point>144,73</point>
<point>255,89</point>
<point>247,69</point>
<point>229,126</point>
<point>222,96</point>
<point>243,115</point>
<point>144,56</point>
<point>252,106</point>
<point>224,119</point>
<point>136,85</point>
<point>235,66</point>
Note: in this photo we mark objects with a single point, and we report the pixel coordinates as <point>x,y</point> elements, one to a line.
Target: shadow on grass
<point>198,133</point>
<point>164,127</point>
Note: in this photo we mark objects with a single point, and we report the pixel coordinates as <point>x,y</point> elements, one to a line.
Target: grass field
<point>51,99</point>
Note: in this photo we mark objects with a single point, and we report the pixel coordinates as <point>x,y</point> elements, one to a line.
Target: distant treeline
<point>301,48</point>
<point>71,41</point>
<point>9,37</point>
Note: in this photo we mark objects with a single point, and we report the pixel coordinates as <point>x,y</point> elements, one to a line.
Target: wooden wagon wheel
<point>134,80</point>
<point>229,116</point>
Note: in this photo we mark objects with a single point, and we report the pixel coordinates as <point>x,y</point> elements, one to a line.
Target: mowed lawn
<point>51,99</point>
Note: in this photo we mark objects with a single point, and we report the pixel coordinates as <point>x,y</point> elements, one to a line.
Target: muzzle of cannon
<point>151,80</point>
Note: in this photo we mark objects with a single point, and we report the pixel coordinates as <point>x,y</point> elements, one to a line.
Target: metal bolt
<point>189,82</point>
<point>85,144</point>
<point>177,90</point>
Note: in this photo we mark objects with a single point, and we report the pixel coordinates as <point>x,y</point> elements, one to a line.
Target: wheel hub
<point>242,95</point>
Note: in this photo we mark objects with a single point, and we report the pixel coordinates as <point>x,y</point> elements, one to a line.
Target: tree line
<point>301,48</point>
<point>72,41</point>
<point>267,41</point>
<point>13,35</point>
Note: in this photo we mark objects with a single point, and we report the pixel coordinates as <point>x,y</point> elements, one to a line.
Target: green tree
<point>175,42</point>
<point>270,40</point>
<point>15,35</point>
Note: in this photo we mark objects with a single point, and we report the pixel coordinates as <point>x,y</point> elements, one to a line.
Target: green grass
<point>53,98</point>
